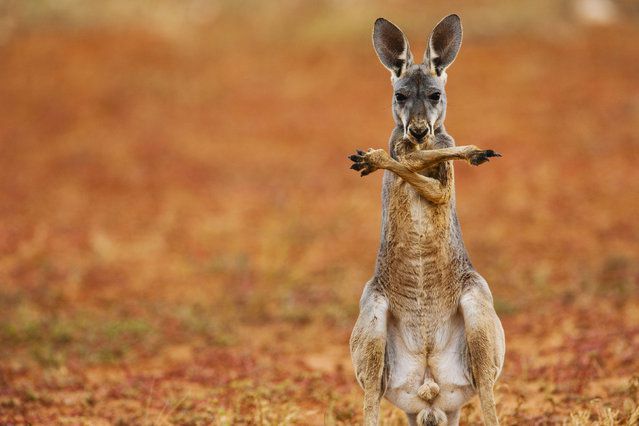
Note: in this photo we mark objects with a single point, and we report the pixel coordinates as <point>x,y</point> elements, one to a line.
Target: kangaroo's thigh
<point>368,350</point>
<point>485,340</point>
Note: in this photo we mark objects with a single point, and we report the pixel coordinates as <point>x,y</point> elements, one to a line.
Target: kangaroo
<point>427,337</point>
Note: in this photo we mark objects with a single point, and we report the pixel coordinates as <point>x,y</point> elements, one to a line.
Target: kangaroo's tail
<point>432,417</point>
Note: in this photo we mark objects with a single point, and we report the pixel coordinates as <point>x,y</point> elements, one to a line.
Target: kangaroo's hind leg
<point>368,350</point>
<point>485,340</point>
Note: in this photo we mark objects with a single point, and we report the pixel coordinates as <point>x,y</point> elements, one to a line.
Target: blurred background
<point>182,242</point>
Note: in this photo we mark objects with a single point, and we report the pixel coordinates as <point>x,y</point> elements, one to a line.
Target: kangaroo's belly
<point>413,361</point>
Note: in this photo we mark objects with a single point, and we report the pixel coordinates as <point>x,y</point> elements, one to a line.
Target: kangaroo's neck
<point>398,145</point>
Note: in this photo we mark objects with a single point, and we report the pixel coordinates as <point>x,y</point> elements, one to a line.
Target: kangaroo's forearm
<point>427,187</point>
<point>421,160</point>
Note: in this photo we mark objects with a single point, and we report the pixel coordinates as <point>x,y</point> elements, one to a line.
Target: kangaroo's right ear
<point>392,47</point>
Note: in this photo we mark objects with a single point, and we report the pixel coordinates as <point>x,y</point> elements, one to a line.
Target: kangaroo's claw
<point>481,157</point>
<point>358,166</point>
<point>369,161</point>
<point>359,163</point>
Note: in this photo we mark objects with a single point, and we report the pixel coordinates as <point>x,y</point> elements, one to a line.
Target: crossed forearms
<point>408,166</point>
<point>421,160</point>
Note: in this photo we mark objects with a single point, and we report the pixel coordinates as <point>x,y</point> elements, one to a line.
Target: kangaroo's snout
<point>419,131</point>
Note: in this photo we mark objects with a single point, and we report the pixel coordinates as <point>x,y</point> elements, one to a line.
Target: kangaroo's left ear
<point>443,44</point>
<point>392,47</point>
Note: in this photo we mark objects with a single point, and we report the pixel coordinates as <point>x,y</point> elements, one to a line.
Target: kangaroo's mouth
<point>427,142</point>
<point>418,132</point>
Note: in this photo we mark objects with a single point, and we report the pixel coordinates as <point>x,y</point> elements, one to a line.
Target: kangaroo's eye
<point>400,97</point>
<point>435,96</point>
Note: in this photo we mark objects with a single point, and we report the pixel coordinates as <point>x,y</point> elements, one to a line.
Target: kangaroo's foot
<point>429,390</point>
<point>431,417</point>
<point>480,156</point>
<point>370,160</point>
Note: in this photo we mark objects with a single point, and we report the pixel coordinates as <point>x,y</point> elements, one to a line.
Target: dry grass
<point>181,241</point>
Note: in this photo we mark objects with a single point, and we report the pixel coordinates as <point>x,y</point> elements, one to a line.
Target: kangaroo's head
<point>419,98</point>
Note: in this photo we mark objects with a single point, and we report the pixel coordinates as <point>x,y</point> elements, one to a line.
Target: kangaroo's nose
<point>418,132</point>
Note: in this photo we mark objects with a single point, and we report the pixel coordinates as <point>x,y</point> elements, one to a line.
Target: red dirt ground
<point>181,241</point>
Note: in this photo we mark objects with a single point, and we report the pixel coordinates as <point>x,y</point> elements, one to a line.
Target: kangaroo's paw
<point>481,156</point>
<point>369,161</point>
<point>428,391</point>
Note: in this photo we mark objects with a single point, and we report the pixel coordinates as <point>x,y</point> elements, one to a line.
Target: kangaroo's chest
<point>420,266</point>
<point>417,237</point>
